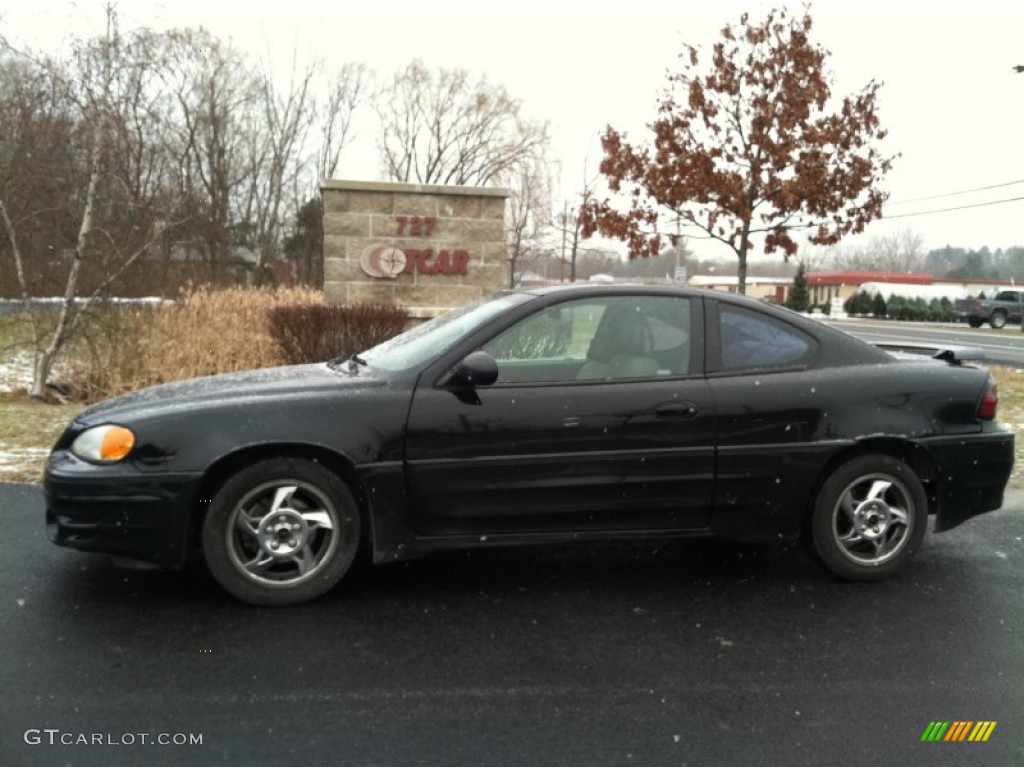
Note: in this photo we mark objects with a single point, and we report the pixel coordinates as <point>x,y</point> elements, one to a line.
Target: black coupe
<point>550,415</point>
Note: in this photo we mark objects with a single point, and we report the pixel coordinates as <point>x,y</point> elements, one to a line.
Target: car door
<point>600,420</point>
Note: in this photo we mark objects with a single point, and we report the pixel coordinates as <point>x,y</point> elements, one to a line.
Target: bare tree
<point>527,214</point>
<point>442,128</point>
<point>569,224</point>
<point>899,251</point>
<point>213,110</point>
<point>345,93</point>
<point>100,92</point>
<point>278,159</point>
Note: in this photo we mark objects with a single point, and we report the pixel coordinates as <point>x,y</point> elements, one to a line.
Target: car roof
<point>598,289</point>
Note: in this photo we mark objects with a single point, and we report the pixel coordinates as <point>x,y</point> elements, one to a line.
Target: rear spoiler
<point>948,352</point>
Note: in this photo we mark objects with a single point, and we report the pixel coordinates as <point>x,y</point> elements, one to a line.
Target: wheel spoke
<point>281,495</point>
<point>304,559</point>
<point>247,525</point>
<point>848,505</point>
<point>853,537</point>
<point>878,489</point>
<point>881,543</point>
<point>899,516</point>
<point>318,519</point>
<point>259,563</point>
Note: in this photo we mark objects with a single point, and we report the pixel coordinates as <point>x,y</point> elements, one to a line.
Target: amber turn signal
<point>106,443</point>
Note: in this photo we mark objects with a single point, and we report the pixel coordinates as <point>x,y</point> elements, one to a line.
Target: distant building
<point>841,284</point>
<point>771,289</point>
<point>828,285</point>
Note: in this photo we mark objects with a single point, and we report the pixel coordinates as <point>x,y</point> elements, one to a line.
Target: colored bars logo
<point>958,730</point>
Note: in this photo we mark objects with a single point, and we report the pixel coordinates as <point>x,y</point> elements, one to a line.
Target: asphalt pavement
<point>683,652</point>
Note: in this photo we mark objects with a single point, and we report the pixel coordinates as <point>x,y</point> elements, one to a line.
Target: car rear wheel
<point>998,319</point>
<point>974,322</point>
<point>281,531</point>
<point>869,518</point>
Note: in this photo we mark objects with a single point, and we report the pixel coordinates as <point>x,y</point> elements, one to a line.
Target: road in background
<point>1005,346</point>
<point>683,652</point>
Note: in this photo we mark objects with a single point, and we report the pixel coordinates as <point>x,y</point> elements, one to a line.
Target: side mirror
<point>477,369</point>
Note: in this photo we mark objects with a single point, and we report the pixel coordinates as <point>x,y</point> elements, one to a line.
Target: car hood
<point>283,381</point>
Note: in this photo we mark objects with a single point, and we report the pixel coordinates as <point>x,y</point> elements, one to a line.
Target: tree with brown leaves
<point>751,147</point>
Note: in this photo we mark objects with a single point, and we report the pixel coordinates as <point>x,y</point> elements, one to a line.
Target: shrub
<point>206,331</point>
<point>799,297</point>
<point>920,309</point>
<point>859,303</point>
<point>309,333</point>
<point>947,310</point>
<point>878,307</point>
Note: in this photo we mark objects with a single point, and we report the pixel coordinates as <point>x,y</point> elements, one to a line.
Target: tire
<point>974,322</point>
<point>998,319</point>
<point>280,532</point>
<point>869,518</point>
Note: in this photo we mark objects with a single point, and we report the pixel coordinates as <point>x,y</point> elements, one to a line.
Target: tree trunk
<point>741,272</point>
<point>44,358</point>
<point>741,254</point>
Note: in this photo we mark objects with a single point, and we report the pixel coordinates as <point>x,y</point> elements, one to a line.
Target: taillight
<point>990,402</point>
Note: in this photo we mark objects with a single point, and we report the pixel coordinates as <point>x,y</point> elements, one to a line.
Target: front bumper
<point>119,510</point>
<point>971,473</point>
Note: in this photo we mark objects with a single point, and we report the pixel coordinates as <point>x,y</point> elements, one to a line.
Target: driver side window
<point>597,339</point>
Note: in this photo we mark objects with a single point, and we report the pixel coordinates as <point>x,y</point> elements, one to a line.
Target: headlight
<point>107,443</point>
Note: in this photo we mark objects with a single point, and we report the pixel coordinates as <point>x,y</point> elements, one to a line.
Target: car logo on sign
<point>382,261</point>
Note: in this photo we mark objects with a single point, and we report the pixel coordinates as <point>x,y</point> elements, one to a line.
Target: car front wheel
<point>281,531</point>
<point>998,319</point>
<point>869,518</point>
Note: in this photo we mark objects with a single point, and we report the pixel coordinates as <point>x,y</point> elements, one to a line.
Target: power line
<point>961,192</point>
<point>812,225</point>
<point>954,208</point>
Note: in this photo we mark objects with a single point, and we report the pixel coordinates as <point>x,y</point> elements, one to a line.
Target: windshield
<point>426,341</point>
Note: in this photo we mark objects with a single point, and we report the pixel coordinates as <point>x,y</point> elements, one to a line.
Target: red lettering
<point>423,266</point>
<point>416,226</point>
<point>447,263</point>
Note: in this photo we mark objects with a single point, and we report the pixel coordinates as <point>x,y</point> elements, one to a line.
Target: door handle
<point>676,411</point>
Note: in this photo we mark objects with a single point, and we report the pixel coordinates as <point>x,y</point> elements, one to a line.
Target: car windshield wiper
<point>353,360</point>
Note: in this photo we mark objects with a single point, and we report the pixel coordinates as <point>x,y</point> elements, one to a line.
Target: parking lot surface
<point>639,653</point>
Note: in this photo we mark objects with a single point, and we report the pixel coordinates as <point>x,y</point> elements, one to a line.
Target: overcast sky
<point>951,101</point>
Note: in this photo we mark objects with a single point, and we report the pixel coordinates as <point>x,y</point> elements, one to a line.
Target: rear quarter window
<point>752,340</point>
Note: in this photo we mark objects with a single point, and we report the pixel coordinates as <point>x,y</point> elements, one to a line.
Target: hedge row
<point>900,307</point>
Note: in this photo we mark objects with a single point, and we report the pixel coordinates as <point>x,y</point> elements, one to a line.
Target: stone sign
<point>428,248</point>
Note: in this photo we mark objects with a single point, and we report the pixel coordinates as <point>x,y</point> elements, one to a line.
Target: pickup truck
<point>1004,308</point>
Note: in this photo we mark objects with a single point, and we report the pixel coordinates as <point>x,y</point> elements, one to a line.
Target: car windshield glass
<point>426,341</point>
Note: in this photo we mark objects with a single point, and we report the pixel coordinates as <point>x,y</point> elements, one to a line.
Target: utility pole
<point>565,223</point>
<point>679,255</point>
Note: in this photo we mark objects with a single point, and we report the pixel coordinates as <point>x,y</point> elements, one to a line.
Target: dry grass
<point>1011,411</point>
<point>205,332</point>
<point>28,429</point>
